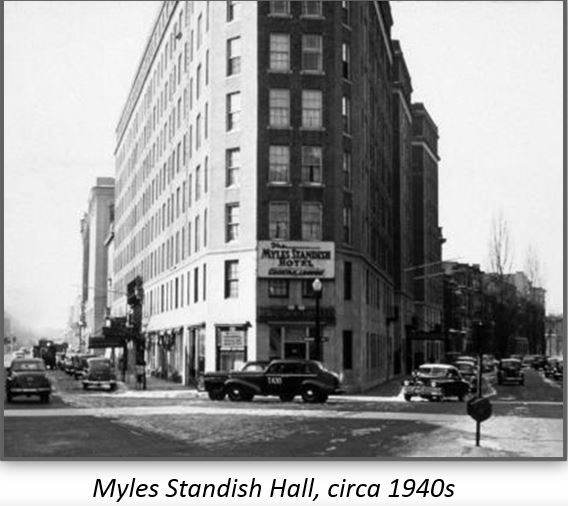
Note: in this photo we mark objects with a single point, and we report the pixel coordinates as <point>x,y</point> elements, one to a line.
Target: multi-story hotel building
<point>255,154</point>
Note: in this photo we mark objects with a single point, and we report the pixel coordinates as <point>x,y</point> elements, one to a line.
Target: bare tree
<point>500,247</point>
<point>533,267</point>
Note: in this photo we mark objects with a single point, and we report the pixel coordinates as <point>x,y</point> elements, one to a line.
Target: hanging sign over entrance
<point>296,259</point>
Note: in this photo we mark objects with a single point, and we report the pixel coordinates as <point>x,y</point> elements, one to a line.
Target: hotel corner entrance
<point>292,341</point>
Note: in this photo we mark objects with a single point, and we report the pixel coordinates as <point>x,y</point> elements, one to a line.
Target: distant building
<point>463,306</point>
<point>427,336</point>
<point>94,231</point>
<point>554,336</point>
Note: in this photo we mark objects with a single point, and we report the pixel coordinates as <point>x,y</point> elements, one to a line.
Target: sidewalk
<point>156,387</point>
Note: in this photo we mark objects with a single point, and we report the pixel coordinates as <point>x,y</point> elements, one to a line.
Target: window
<point>233,221</point>
<point>278,288</point>
<point>311,164</point>
<point>311,221</point>
<point>347,169</point>
<point>312,53</point>
<point>204,281</point>
<point>346,113</point>
<point>347,280</point>
<point>199,30</point>
<point>279,108</point>
<point>198,132</point>
<point>281,8</point>
<point>233,165</point>
<point>233,9</point>
<point>278,220</point>
<point>231,279</point>
<point>345,11</point>
<point>308,289</point>
<point>197,182</point>
<point>233,56</point>
<point>205,228</point>
<point>279,164</point>
<point>233,110</point>
<point>345,59</point>
<point>198,82</point>
<point>347,225</point>
<point>347,349</point>
<point>311,8</point>
<point>196,230</point>
<point>280,52</point>
<point>196,284</point>
<point>311,109</point>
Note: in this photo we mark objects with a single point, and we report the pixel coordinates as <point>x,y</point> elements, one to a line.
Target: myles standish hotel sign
<point>296,259</point>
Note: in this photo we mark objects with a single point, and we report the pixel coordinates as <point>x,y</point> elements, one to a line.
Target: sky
<point>490,74</point>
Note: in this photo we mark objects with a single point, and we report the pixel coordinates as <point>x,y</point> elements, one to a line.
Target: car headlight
<point>434,384</point>
<point>406,383</point>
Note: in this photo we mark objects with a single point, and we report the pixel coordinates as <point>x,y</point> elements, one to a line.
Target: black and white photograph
<point>318,230</point>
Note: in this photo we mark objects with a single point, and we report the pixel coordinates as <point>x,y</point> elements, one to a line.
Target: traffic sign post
<point>479,408</point>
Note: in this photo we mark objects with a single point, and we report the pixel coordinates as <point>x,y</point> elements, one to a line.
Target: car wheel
<point>311,394</point>
<point>461,397</point>
<point>407,397</point>
<point>237,393</point>
<point>286,397</point>
<point>216,395</point>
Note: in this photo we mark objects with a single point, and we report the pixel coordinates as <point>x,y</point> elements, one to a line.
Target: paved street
<point>527,422</point>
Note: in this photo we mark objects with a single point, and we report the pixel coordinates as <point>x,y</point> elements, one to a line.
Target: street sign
<point>479,408</point>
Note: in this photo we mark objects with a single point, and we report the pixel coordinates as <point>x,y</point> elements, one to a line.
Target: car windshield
<point>511,363</point>
<point>432,371</point>
<point>99,364</point>
<point>28,366</point>
<point>465,367</point>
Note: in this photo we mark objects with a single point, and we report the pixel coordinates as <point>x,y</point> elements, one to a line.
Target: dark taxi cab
<point>282,378</point>
<point>27,377</point>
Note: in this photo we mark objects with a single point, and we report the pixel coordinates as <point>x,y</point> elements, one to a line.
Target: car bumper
<point>93,383</point>
<point>15,391</point>
<point>423,391</point>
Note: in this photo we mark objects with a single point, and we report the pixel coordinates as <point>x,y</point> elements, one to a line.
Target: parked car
<point>27,376</point>
<point>510,370</point>
<point>436,381</point>
<point>554,368</point>
<point>80,365</point>
<point>469,372</point>
<point>100,374</point>
<point>283,378</point>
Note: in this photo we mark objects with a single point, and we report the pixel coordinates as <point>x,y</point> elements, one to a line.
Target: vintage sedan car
<point>282,378</point>
<point>99,374</point>
<point>27,376</point>
<point>80,364</point>
<point>510,370</point>
<point>436,381</point>
<point>554,368</point>
<point>468,370</point>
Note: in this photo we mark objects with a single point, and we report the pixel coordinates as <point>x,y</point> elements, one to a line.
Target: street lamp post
<point>317,287</point>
